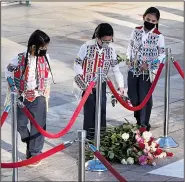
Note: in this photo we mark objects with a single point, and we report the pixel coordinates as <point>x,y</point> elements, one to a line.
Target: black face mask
<point>148,25</point>
<point>42,52</point>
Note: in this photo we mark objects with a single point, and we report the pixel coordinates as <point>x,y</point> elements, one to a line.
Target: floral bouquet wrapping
<point>129,144</point>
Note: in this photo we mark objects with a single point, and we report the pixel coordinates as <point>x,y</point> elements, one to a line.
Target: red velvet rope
<point>71,122</point>
<point>179,69</point>
<point>35,158</point>
<point>108,166</point>
<point>140,106</point>
<point>3,118</point>
<point>5,115</point>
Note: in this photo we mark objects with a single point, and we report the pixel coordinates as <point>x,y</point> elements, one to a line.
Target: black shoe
<point>148,127</point>
<point>28,155</point>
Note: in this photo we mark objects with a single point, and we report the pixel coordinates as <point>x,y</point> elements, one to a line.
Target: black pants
<point>137,91</point>
<point>34,139</point>
<point>89,112</point>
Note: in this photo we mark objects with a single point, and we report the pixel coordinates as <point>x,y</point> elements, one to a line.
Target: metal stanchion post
<point>167,95</point>
<point>14,134</point>
<point>167,141</point>
<point>98,109</point>
<point>81,158</point>
<point>27,3</point>
<point>95,164</point>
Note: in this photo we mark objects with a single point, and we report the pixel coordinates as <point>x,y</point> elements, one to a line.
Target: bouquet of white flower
<point>129,144</point>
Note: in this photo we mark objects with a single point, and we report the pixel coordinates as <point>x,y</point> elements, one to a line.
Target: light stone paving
<point>69,28</point>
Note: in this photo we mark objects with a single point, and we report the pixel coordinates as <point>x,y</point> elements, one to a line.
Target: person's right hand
<point>127,61</point>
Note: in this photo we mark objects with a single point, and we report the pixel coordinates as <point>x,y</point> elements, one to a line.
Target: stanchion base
<point>95,165</point>
<point>167,142</point>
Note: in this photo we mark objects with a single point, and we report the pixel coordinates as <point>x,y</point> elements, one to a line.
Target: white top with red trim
<point>31,80</point>
<point>145,47</point>
<point>90,56</point>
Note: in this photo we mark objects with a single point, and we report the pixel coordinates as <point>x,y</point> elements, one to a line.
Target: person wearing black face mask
<point>42,52</point>
<point>146,46</point>
<point>31,80</point>
<point>149,26</point>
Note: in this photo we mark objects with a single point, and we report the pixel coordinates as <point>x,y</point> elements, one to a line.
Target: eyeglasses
<point>43,48</point>
<point>107,41</point>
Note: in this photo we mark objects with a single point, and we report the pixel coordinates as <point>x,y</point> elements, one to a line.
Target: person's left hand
<point>144,67</point>
<point>121,90</point>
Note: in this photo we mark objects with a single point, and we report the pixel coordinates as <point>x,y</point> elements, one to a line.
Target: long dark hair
<point>154,11</point>
<point>37,39</point>
<point>103,29</point>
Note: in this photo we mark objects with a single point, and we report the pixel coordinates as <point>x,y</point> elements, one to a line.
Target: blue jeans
<point>34,139</point>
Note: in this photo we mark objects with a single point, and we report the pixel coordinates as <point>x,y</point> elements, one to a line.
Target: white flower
<point>137,136</point>
<point>165,154</point>
<point>162,155</point>
<point>130,160</point>
<point>153,147</point>
<point>123,161</point>
<point>125,136</point>
<point>147,135</point>
<point>147,147</point>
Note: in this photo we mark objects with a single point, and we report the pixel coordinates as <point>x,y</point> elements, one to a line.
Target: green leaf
<point>102,153</point>
<point>102,149</point>
<point>111,155</point>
